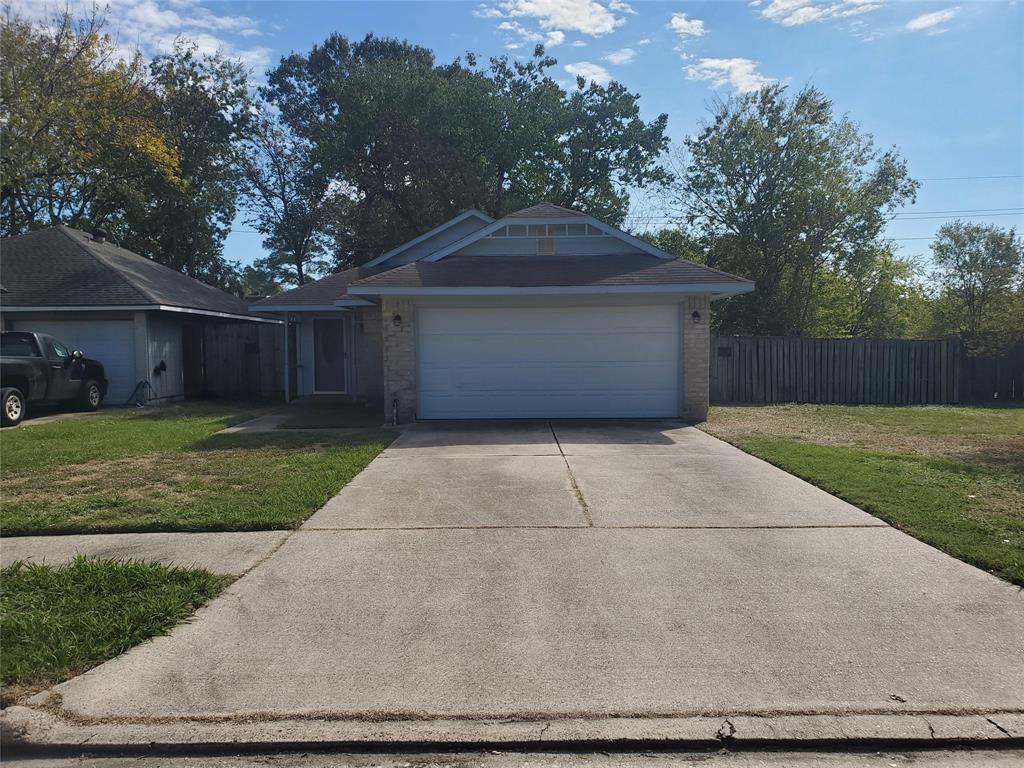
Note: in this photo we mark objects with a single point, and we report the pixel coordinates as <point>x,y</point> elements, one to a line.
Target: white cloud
<point>621,56</point>
<point>740,74</point>
<point>579,43</point>
<point>153,27</point>
<point>589,71</point>
<point>686,27</point>
<point>517,35</point>
<point>795,13</point>
<point>645,41</point>
<point>931,22</point>
<point>589,17</point>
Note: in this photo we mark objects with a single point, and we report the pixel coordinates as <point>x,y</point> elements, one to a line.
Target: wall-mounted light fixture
<point>397,321</point>
<point>695,316</point>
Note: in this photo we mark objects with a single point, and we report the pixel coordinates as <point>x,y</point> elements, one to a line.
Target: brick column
<point>399,347</point>
<point>696,358</point>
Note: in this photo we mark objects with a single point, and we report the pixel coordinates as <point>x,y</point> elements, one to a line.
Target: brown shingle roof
<point>61,266</point>
<point>544,211</point>
<point>322,292</point>
<point>541,271</point>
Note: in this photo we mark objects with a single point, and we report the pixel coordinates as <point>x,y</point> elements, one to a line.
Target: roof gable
<point>438,237</point>
<point>549,217</point>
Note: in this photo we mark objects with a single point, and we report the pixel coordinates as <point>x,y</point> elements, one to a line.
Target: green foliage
<point>879,296</point>
<point>58,622</point>
<point>76,123</point>
<point>679,243</point>
<point>409,143</point>
<point>204,110</point>
<point>979,276</point>
<point>785,193</point>
<point>92,141</point>
<point>290,201</point>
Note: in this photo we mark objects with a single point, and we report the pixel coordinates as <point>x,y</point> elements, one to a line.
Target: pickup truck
<point>36,368</point>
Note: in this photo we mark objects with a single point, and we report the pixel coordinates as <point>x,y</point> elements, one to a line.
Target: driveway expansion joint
<point>572,479</point>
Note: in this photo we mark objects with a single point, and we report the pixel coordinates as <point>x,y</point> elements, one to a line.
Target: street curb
<point>30,731</point>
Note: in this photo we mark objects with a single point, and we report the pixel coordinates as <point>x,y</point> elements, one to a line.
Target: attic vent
<point>545,246</point>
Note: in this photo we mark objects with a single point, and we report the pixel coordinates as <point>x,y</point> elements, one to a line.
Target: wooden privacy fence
<point>779,369</point>
<point>243,360</point>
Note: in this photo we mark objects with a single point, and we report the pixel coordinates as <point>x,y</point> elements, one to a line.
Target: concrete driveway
<point>523,571</point>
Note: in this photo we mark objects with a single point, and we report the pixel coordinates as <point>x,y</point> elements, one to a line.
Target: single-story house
<point>144,322</point>
<point>546,312</point>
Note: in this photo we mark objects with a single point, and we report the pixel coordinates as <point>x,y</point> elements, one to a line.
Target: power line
<point>971,178</point>
<point>964,216</point>
<point>962,210</point>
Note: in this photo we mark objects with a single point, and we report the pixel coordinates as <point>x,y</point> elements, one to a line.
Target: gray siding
<point>165,345</point>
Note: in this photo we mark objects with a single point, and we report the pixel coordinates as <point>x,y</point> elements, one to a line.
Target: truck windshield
<point>18,345</point>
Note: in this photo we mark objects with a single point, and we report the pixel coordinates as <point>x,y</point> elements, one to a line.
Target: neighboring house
<point>145,322</point>
<point>547,312</point>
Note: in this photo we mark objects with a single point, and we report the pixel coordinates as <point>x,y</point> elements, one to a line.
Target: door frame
<point>346,332</point>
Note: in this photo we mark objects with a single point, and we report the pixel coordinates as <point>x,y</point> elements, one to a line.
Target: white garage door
<point>539,362</point>
<point>111,342</point>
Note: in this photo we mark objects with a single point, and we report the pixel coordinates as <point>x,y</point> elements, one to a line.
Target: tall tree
<point>414,142</point>
<point>290,201</point>
<point>978,273</point>
<point>76,123</point>
<point>783,192</point>
<point>204,109</point>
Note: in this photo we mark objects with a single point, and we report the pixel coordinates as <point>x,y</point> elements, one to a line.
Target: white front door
<point>541,362</point>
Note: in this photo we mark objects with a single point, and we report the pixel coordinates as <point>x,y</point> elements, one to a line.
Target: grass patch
<point>118,433</point>
<point>332,413</point>
<point>162,473</point>
<point>952,477</point>
<point>58,622</point>
<point>967,512</point>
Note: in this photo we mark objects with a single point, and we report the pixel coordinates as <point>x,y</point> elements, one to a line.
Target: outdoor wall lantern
<point>397,321</point>
<point>695,316</point>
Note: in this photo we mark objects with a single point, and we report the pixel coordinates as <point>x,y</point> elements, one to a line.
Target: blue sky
<point>943,81</point>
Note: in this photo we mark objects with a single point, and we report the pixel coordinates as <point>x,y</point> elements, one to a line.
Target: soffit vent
<point>545,246</point>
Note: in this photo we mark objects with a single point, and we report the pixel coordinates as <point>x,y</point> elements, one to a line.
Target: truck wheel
<point>12,403</point>
<point>91,396</point>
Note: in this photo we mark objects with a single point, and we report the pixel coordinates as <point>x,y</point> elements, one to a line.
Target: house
<point>546,312</point>
<point>147,324</point>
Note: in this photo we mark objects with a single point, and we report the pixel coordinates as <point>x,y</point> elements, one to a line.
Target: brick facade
<point>399,357</point>
<point>695,357</point>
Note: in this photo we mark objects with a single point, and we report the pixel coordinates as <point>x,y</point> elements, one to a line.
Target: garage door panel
<point>111,342</point>
<point>545,320</point>
<point>583,347</point>
<point>548,362</point>
<point>542,406</point>
<point>548,377</point>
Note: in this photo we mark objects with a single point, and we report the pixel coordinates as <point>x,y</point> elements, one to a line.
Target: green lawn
<point>950,476</point>
<point>59,622</point>
<point>165,470</point>
<point>332,413</point>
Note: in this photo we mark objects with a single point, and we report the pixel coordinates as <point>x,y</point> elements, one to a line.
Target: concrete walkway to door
<point>583,576</point>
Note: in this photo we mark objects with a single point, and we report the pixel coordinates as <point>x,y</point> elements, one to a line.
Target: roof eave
<point>138,308</point>
<point>718,290</point>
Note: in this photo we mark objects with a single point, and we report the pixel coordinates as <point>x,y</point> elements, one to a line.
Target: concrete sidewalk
<point>230,554</point>
<point>532,582</point>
